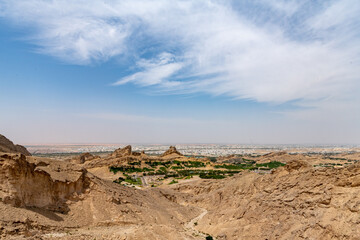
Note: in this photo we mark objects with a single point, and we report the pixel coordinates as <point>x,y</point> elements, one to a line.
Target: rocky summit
<point>171,151</point>
<point>8,146</point>
<point>122,152</point>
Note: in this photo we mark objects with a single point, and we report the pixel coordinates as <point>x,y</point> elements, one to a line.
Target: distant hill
<point>9,147</point>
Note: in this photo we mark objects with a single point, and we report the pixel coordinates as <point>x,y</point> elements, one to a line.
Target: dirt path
<point>190,226</point>
<point>144,182</point>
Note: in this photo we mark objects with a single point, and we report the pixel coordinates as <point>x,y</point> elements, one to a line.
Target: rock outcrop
<point>82,158</point>
<point>30,184</point>
<point>8,146</point>
<point>40,196</point>
<point>171,151</point>
<point>122,152</point>
<point>275,154</point>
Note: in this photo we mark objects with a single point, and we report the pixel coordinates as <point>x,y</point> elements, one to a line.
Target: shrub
<point>177,167</point>
<point>119,180</point>
<point>233,166</point>
<point>129,169</point>
<point>173,182</point>
<point>194,164</point>
<point>271,165</point>
<point>135,163</point>
<point>212,159</point>
<point>211,176</point>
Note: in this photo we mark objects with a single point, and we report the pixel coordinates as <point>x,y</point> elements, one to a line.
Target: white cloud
<point>340,14</point>
<point>287,7</point>
<point>155,71</point>
<point>206,46</point>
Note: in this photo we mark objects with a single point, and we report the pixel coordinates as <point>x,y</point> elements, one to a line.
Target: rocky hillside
<point>39,196</point>
<point>294,202</point>
<point>311,197</point>
<point>8,146</point>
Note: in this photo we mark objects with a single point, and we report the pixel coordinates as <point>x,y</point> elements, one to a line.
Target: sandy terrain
<point>311,197</point>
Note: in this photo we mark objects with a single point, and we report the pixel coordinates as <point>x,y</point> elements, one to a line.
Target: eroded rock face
<point>122,152</point>
<point>82,158</point>
<point>39,195</point>
<point>9,147</point>
<point>26,184</point>
<point>171,150</point>
<point>297,165</point>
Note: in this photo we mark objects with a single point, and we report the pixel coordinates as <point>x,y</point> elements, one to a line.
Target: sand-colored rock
<point>283,157</point>
<point>294,202</point>
<point>122,152</point>
<point>171,154</point>
<point>42,185</point>
<point>124,156</point>
<point>84,157</point>
<point>40,196</point>
<point>171,151</point>
<point>44,198</point>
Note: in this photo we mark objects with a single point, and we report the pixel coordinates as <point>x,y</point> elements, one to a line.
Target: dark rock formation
<point>9,147</point>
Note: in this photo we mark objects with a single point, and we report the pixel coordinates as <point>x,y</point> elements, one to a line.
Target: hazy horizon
<point>194,144</point>
<point>207,71</point>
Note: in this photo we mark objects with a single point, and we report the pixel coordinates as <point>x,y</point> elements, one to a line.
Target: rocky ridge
<point>39,196</point>
<point>9,147</point>
<point>45,198</point>
<point>296,201</point>
<point>171,151</point>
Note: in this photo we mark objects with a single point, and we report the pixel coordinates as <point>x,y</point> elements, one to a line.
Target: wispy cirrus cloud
<point>208,46</point>
<point>154,72</point>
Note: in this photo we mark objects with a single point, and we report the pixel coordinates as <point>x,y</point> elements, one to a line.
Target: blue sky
<point>180,71</point>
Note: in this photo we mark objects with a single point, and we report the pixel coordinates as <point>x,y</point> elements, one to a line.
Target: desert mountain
<point>37,195</point>
<point>119,196</point>
<point>294,202</point>
<point>9,147</point>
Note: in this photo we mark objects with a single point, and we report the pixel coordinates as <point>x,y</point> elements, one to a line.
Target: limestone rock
<point>296,165</point>
<point>26,184</point>
<point>82,158</point>
<point>41,196</point>
<point>122,152</point>
<point>172,150</point>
